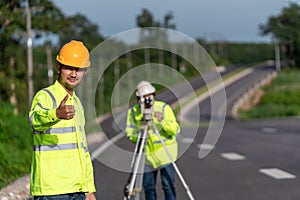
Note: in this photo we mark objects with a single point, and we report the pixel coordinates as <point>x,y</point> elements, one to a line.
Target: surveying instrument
<point>133,186</point>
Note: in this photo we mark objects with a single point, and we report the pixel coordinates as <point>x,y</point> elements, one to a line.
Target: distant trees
<point>79,27</point>
<point>47,21</point>
<point>13,34</point>
<point>237,52</point>
<point>285,28</point>
<point>146,19</point>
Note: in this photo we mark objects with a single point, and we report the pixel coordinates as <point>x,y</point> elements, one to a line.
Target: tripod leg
<point>136,165</point>
<point>174,165</point>
<point>135,154</point>
<point>139,180</point>
<point>136,149</point>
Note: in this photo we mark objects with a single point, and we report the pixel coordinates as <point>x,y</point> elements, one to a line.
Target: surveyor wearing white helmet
<point>157,159</point>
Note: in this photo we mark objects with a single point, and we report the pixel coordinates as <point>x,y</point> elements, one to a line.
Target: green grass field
<point>280,99</point>
<point>15,145</point>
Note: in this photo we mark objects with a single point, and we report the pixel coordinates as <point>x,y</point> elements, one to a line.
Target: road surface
<point>251,160</point>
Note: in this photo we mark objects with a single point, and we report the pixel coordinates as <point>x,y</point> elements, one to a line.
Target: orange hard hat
<point>74,54</point>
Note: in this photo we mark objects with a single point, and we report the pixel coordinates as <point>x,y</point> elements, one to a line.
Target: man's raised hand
<point>65,111</point>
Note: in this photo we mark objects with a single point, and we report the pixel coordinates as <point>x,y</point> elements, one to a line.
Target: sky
<point>229,20</point>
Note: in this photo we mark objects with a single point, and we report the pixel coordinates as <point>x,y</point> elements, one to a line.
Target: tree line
<point>49,22</point>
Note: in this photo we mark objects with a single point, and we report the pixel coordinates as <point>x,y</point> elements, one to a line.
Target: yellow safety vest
<point>61,161</point>
<point>156,155</point>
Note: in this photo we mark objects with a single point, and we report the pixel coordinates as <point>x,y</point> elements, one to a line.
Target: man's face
<point>69,76</point>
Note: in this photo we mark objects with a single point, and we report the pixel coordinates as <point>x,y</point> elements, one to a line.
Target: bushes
<point>15,145</point>
<point>281,98</point>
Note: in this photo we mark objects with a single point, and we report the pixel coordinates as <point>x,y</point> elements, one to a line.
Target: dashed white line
<point>268,130</point>
<point>187,140</point>
<point>107,144</point>
<point>206,146</point>
<point>277,173</point>
<point>232,156</point>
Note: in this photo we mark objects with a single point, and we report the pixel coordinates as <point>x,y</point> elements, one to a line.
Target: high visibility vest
<point>156,154</point>
<point>61,161</point>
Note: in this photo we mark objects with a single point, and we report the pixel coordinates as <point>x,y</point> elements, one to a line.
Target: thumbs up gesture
<point>65,111</point>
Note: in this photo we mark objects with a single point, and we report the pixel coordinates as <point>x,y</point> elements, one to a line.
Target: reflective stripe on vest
<point>163,109</point>
<point>131,126</point>
<point>133,115</point>
<point>159,142</point>
<point>38,104</point>
<point>54,147</point>
<point>62,130</point>
<point>52,97</point>
<point>56,130</point>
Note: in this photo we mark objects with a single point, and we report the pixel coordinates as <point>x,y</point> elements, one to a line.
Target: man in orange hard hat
<point>61,165</point>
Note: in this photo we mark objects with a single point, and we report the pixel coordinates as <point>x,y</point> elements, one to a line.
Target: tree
<point>146,20</point>
<point>167,18</point>
<point>11,23</point>
<point>45,20</point>
<point>285,28</point>
<point>79,27</point>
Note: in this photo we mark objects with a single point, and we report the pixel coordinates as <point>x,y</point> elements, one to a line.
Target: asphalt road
<point>251,160</point>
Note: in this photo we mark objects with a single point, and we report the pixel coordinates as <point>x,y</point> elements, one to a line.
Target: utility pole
<point>174,59</point>
<point>29,53</point>
<point>117,100</point>
<point>147,61</point>
<point>277,52</point>
<point>129,67</point>
<point>49,63</point>
<point>277,56</point>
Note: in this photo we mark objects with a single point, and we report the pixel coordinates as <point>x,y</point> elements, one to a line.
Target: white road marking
<point>268,130</point>
<point>232,156</point>
<point>277,173</point>
<point>206,146</point>
<point>187,140</point>
<point>105,145</point>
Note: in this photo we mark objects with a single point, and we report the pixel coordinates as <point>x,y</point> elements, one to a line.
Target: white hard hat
<point>144,88</point>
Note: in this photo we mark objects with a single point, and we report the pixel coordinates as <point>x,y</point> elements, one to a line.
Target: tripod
<point>133,186</point>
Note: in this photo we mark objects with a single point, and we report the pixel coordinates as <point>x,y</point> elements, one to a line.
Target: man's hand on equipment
<point>65,111</point>
<point>90,196</point>
<point>159,116</point>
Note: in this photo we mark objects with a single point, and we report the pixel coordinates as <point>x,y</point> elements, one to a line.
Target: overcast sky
<point>231,20</point>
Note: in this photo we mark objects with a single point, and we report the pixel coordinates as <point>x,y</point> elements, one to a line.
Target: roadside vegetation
<point>279,99</point>
<point>15,144</point>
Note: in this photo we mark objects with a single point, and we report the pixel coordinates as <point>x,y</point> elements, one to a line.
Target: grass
<point>280,99</point>
<point>15,145</point>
